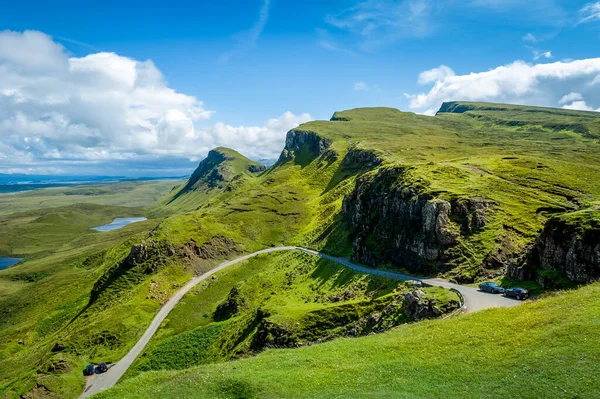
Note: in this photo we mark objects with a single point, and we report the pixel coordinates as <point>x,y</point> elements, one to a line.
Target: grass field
<point>133,194</point>
<point>41,298</point>
<point>545,349</point>
<point>302,298</point>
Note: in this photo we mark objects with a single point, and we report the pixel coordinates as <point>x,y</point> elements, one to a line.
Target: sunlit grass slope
<point>545,349</point>
<point>300,298</point>
<point>136,194</point>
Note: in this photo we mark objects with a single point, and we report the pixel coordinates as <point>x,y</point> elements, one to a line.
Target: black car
<point>519,293</point>
<point>491,288</point>
<point>102,368</point>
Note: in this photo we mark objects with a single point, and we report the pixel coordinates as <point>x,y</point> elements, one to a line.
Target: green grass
<point>133,194</point>
<point>548,348</point>
<point>308,298</point>
<point>35,233</point>
<point>43,300</point>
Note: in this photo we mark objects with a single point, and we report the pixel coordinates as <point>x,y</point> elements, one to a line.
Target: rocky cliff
<point>567,250</point>
<point>394,219</point>
<point>297,140</point>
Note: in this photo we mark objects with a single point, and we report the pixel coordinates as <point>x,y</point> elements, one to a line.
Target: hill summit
<point>222,170</point>
<point>221,166</point>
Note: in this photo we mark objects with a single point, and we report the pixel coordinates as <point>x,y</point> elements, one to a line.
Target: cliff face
<point>567,248</point>
<point>297,139</point>
<point>393,219</point>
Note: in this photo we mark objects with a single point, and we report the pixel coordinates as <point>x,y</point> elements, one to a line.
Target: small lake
<point>118,223</point>
<point>5,263</point>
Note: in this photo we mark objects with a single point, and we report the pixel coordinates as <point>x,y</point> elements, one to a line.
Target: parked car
<point>491,288</point>
<point>89,370</point>
<point>102,368</point>
<point>517,292</point>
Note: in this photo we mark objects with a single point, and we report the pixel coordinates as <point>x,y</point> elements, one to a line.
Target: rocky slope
<point>394,219</point>
<point>567,250</point>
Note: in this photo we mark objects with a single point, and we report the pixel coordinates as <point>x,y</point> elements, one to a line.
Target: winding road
<point>474,300</point>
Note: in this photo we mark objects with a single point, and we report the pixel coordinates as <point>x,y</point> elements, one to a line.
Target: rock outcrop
<point>394,219</point>
<point>568,248</point>
<point>296,140</point>
<point>361,158</point>
<point>417,307</point>
<point>256,168</point>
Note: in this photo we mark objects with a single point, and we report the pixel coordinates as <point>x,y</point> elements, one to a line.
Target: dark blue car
<point>490,287</point>
<point>89,370</point>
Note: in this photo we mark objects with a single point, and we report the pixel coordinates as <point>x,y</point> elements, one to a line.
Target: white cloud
<point>530,38</point>
<point>361,86</point>
<point>247,40</point>
<point>435,74</point>
<point>590,12</point>
<point>537,54</point>
<point>580,106</point>
<point>517,83</point>
<point>60,112</point>
<point>568,98</point>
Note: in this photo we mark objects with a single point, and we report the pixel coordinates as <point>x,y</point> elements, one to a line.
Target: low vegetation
<point>134,194</point>
<point>287,300</point>
<point>544,349</point>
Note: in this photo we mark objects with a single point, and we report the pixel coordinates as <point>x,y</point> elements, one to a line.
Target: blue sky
<point>247,71</point>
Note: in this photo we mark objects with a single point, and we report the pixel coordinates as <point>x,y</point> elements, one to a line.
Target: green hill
<point>222,170</point>
<point>545,349</point>
<point>480,191</point>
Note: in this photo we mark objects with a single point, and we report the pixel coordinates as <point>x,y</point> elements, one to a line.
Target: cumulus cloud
<point>550,84</point>
<point>59,112</point>
<point>435,74</point>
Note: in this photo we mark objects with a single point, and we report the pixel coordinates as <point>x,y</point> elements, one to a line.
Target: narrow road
<point>474,300</point>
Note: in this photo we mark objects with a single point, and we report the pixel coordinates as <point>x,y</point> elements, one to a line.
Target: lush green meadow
<point>132,194</point>
<point>544,349</point>
<point>304,298</point>
<point>42,297</point>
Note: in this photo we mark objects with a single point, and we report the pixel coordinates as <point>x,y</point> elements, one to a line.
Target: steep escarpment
<point>566,251</point>
<point>303,142</point>
<point>394,218</point>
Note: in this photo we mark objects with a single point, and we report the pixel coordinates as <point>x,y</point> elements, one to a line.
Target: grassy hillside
<point>545,349</point>
<point>222,170</point>
<point>462,194</point>
<point>43,299</point>
<point>286,300</point>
